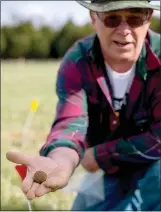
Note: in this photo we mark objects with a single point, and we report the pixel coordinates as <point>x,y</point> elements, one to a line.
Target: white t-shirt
<point>121,83</point>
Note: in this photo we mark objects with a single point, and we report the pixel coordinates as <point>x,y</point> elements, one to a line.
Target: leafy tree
<point>67,36</point>
<point>3,44</point>
<point>26,40</point>
<point>25,27</point>
<point>40,46</point>
<point>155,24</point>
<point>18,45</point>
<point>47,32</point>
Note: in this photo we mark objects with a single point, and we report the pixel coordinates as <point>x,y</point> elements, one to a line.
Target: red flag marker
<point>22,170</point>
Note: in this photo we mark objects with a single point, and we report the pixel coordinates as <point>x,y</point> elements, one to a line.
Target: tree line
<point>23,40</point>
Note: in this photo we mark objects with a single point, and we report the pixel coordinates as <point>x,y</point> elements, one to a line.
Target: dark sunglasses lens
<point>134,21</point>
<point>112,21</point>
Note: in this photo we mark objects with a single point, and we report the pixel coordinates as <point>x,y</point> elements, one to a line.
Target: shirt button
<point>114,122</point>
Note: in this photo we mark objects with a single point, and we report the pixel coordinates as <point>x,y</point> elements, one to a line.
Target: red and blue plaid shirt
<point>85,114</point>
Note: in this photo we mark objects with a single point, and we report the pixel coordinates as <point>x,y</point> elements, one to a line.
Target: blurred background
<point>34,37</point>
<point>56,25</point>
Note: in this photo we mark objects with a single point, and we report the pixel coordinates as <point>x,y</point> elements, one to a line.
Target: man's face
<point>121,33</point>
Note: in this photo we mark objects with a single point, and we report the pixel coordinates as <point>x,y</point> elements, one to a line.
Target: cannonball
<point>40,177</point>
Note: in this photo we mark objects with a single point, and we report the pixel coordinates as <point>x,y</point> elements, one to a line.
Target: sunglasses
<point>133,19</point>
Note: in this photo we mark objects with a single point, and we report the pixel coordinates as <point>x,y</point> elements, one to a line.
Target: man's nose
<point>123,29</point>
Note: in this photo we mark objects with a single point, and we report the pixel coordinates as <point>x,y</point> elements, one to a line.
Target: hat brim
<point>111,6</point>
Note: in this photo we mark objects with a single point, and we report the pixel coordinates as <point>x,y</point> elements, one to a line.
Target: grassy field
<point>21,82</point>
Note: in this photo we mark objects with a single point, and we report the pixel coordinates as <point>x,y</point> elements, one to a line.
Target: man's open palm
<point>58,173</point>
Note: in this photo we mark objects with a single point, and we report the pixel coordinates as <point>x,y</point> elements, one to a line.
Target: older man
<point>108,114</point>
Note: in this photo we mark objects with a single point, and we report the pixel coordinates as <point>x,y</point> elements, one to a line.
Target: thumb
<point>18,157</point>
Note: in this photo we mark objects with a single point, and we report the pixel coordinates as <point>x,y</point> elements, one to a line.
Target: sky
<point>53,13</point>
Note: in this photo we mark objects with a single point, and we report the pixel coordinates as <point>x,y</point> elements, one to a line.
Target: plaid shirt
<point>85,113</point>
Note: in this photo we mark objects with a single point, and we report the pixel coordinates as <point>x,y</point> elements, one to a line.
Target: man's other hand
<point>88,162</point>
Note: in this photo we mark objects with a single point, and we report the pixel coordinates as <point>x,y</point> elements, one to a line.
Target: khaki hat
<point>111,5</point>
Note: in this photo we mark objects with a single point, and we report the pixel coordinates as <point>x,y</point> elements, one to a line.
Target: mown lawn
<point>21,82</point>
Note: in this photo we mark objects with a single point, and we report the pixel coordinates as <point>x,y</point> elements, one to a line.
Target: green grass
<point>21,82</point>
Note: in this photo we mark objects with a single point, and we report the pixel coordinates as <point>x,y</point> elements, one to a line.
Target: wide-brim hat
<point>111,5</point>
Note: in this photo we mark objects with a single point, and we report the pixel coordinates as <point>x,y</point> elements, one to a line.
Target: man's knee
<point>149,187</point>
<point>153,172</point>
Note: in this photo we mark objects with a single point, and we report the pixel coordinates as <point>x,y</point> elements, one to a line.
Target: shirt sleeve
<point>71,121</point>
<point>139,149</point>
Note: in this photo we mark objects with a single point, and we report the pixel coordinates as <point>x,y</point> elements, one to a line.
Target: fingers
<point>37,190</point>
<point>31,193</point>
<point>18,157</point>
<point>27,183</point>
<point>50,185</point>
<point>32,189</point>
<point>55,183</point>
<point>42,190</point>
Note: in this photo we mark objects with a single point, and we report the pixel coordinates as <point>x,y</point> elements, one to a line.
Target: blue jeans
<point>140,191</point>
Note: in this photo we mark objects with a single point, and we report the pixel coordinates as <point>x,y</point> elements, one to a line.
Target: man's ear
<point>93,18</point>
<point>150,15</point>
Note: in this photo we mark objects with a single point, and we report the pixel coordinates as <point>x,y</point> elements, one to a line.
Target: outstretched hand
<point>58,173</point>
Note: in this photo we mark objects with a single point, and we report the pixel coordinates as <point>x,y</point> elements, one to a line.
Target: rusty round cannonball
<point>40,177</point>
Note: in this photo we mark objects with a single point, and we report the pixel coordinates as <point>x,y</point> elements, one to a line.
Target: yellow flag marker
<point>34,105</point>
<point>33,108</point>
